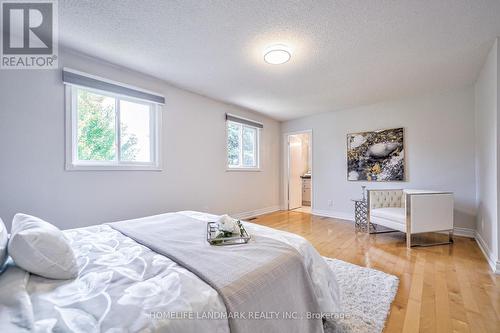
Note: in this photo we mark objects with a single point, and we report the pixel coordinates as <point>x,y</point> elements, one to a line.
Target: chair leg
<point>450,241</point>
<point>382,232</point>
<point>374,226</point>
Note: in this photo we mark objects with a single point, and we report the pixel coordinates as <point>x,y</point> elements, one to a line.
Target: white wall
<point>440,153</point>
<point>303,139</point>
<point>33,179</point>
<point>486,97</point>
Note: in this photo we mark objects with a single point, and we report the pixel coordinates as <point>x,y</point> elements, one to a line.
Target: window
<point>242,143</point>
<point>109,131</point>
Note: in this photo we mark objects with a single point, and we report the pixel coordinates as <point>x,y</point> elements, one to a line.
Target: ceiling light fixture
<point>277,54</point>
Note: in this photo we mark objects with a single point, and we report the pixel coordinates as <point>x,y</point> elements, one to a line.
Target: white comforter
<point>125,287</point>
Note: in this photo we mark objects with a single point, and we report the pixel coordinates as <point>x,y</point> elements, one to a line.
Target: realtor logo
<point>29,34</point>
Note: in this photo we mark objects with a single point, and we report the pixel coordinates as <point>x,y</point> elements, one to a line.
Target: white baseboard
<point>459,231</point>
<point>333,214</point>
<point>464,232</point>
<point>492,261</point>
<point>257,212</point>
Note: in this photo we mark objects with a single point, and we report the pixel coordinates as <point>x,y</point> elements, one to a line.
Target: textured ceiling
<point>345,53</point>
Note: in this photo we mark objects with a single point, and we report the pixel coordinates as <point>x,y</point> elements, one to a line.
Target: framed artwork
<point>376,156</point>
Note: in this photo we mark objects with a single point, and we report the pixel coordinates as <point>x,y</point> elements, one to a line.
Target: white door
<point>295,170</point>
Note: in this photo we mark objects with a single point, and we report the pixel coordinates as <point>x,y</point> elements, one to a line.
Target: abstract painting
<point>376,156</point>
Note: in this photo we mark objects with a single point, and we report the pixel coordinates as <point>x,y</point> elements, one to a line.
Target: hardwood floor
<point>441,288</point>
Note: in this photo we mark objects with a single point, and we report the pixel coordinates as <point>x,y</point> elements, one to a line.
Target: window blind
<point>244,121</point>
<point>71,76</point>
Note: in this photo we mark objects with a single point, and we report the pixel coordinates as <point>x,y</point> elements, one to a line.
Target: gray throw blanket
<point>265,279</point>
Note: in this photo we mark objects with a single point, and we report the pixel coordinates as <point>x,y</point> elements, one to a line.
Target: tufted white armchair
<point>412,212</point>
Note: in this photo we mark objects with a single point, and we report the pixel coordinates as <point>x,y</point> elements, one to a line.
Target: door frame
<point>286,166</point>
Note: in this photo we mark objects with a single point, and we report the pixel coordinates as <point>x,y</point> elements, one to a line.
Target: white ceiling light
<point>277,54</point>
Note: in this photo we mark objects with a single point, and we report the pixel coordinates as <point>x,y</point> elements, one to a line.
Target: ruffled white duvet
<point>125,287</point>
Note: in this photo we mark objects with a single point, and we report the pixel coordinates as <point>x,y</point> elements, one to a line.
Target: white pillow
<point>3,243</point>
<point>41,248</point>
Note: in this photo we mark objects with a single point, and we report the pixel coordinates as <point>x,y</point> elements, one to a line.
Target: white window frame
<point>72,162</point>
<point>257,150</point>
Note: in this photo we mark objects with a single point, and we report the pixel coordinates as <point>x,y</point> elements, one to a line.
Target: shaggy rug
<point>367,295</point>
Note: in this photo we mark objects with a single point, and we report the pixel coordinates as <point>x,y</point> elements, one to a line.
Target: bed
<point>124,286</point>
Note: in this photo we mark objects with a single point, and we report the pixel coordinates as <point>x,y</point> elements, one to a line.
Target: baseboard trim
<point>257,212</point>
<point>333,214</point>
<point>459,231</point>
<point>492,262</point>
<point>464,232</point>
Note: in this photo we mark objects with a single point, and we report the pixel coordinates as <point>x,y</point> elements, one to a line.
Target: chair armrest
<point>429,212</point>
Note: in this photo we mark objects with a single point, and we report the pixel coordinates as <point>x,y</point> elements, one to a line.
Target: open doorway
<point>298,173</point>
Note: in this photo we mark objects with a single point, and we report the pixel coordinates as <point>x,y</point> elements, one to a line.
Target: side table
<point>360,215</point>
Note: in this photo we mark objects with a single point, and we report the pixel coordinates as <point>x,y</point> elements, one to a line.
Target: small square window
<point>135,131</point>
<point>242,146</point>
<point>111,132</point>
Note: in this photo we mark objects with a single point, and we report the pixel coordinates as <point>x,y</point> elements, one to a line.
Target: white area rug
<point>367,297</point>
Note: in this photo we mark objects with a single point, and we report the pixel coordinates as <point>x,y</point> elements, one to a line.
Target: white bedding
<point>125,287</point>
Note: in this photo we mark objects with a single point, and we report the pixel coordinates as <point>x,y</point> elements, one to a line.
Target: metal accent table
<point>360,215</point>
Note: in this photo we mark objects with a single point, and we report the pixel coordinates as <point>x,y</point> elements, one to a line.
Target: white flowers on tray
<point>226,231</point>
<point>228,224</point>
